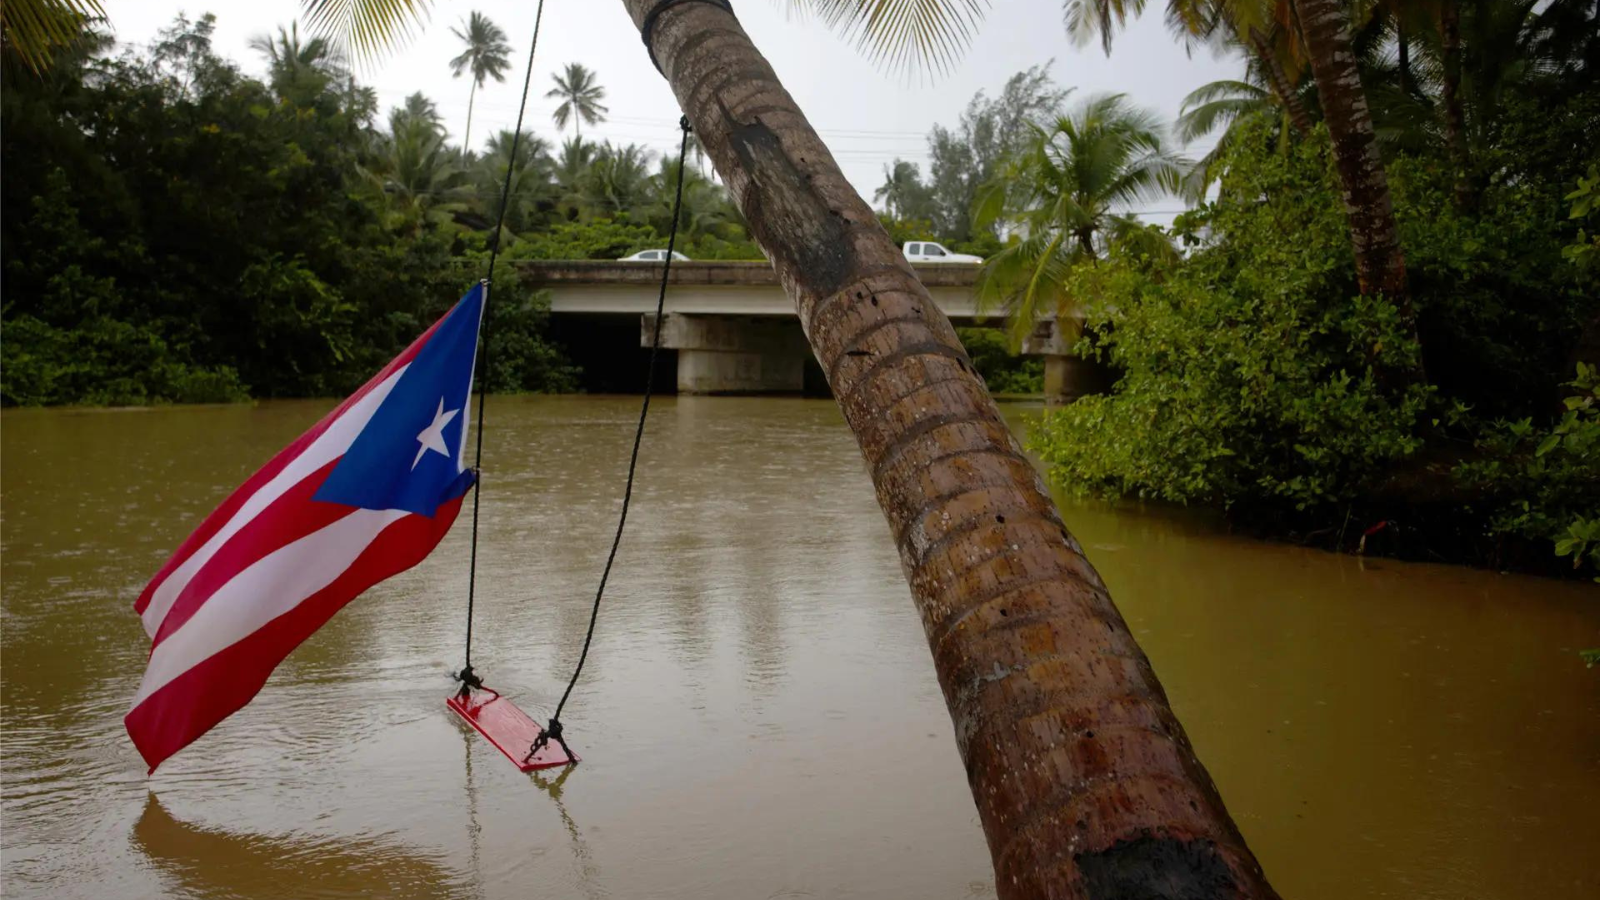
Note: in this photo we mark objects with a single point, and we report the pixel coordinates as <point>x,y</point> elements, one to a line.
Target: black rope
<point>647,28</point>
<point>469,680</point>
<point>553,731</point>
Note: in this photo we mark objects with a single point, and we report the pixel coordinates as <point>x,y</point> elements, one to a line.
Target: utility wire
<point>467,678</point>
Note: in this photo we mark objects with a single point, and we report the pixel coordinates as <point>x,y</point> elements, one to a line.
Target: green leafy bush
<point>519,357</point>
<point>1252,370</point>
<point>1544,483</point>
<point>174,231</point>
<point>1585,251</point>
<point>103,362</point>
<point>1003,371</point>
<point>1254,373</point>
<point>601,238</point>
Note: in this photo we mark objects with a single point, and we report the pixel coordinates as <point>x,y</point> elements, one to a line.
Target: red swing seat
<point>508,728</point>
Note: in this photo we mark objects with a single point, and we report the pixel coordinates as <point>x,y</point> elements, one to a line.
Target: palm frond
<point>1201,120</point>
<point>903,35</point>
<point>366,29</point>
<point>33,29</point>
<point>1087,18</point>
<point>1221,90</point>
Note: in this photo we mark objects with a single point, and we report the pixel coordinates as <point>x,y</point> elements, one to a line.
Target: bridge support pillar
<point>1067,376</point>
<point>733,354</point>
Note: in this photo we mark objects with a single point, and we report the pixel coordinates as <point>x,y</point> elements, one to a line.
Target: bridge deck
<point>706,287</point>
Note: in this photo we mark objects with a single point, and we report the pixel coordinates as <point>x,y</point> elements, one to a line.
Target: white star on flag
<point>432,437</point>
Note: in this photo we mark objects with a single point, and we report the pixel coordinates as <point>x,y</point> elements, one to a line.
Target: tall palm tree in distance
<point>1063,190</point>
<point>419,108</point>
<point>487,56</point>
<point>415,169</point>
<point>1323,38</point>
<point>532,189</point>
<point>899,184</point>
<point>295,67</point>
<point>617,181</point>
<point>580,95</point>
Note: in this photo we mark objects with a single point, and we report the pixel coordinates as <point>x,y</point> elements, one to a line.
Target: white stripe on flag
<point>265,590</point>
<point>329,445</point>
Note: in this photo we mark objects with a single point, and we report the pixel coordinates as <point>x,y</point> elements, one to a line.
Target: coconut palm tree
<point>532,193</point>
<point>705,208</point>
<point>299,69</point>
<point>900,185</point>
<point>487,56</point>
<point>570,166</point>
<point>1085,783</point>
<point>1254,27</point>
<point>1063,192</point>
<point>580,95</point>
<point>616,182</point>
<point>1380,263</point>
<point>1325,39</point>
<point>417,108</point>
<point>416,170</point>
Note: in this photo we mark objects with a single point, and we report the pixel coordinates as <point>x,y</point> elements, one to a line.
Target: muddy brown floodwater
<point>759,717</point>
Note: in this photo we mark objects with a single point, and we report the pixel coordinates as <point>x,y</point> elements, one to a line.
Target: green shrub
<point>1003,371</point>
<point>200,237</point>
<point>591,239</point>
<point>103,362</point>
<point>1544,483</point>
<point>1252,370</point>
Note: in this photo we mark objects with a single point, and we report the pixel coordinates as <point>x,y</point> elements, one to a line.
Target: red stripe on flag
<point>224,513</point>
<point>191,704</point>
<point>286,520</point>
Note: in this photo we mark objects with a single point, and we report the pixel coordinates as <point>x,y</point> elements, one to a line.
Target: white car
<point>654,256</point>
<point>930,252</point>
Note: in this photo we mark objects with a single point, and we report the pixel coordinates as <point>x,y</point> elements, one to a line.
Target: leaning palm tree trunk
<point>1380,265</point>
<point>1455,129</point>
<point>466,140</point>
<point>1281,85</point>
<point>1085,783</point>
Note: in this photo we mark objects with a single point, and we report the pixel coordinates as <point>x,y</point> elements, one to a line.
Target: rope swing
<point>496,718</point>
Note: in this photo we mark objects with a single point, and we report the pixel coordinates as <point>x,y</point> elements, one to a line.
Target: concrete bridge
<point>734,329</point>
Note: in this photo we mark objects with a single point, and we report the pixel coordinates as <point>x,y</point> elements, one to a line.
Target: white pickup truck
<point>930,252</point>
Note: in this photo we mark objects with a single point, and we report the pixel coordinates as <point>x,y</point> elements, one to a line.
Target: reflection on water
<point>206,862</point>
<point>759,715</point>
<point>588,874</point>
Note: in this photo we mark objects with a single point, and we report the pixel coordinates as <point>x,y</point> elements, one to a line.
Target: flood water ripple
<point>759,715</point>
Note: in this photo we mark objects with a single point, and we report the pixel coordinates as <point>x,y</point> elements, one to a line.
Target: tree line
<point>178,231</point>
<point>175,230</point>
<point>1396,353</point>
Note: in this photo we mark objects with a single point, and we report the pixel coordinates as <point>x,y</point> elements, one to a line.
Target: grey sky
<point>867,116</point>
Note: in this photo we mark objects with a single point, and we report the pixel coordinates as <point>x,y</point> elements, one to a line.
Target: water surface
<point>759,717</point>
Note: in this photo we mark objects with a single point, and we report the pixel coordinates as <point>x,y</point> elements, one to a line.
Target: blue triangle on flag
<point>409,455</point>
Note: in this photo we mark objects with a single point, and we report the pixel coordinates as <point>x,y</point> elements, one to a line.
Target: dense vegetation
<point>1451,413</point>
<point>175,230</point>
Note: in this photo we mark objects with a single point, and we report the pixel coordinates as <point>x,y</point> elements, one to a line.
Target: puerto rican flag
<point>365,494</point>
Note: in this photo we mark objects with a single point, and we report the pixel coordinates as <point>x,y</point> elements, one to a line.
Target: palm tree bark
<point>1380,264</point>
<point>1085,782</point>
<point>1281,85</point>
<point>1408,82</point>
<point>1455,130</point>
<point>466,141</point>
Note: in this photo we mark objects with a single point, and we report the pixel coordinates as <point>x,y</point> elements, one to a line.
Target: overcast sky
<point>868,116</point>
